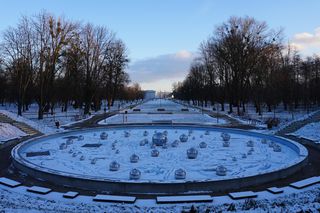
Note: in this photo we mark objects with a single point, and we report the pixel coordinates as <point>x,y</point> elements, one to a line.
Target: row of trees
<point>245,61</point>
<point>53,60</point>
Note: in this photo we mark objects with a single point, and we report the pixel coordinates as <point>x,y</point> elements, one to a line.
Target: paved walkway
<point>91,122</point>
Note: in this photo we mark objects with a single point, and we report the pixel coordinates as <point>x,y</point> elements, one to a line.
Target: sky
<point>163,36</point>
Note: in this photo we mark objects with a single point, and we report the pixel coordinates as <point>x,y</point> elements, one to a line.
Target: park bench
<point>8,182</point>
<point>114,198</point>
<point>242,195</point>
<point>70,194</point>
<point>274,190</point>
<point>306,182</point>
<point>39,190</point>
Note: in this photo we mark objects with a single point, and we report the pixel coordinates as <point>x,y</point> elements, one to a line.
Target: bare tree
<point>115,76</point>
<point>73,76</point>
<point>96,44</point>
<point>52,36</point>
<point>238,60</point>
<point>18,54</point>
<point>52,60</point>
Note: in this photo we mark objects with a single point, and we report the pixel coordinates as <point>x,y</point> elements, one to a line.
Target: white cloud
<point>297,46</point>
<point>161,71</point>
<point>183,54</point>
<point>164,85</point>
<point>306,42</point>
<point>308,38</point>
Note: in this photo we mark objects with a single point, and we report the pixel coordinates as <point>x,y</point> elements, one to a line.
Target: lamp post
<point>160,98</point>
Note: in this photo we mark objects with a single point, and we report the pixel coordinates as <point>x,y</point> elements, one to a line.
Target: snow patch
<point>9,132</point>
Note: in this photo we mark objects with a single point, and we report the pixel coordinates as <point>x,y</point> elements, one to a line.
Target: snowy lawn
<point>34,124</point>
<point>9,132</point>
<point>48,121</point>
<point>286,117</point>
<point>310,131</point>
<point>292,200</point>
<point>47,124</point>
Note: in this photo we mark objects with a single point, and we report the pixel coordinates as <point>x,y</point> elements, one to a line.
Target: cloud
<point>183,54</point>
<point>297,46</point>
<point>163,68</point>
<point>306,42</point>
<point>164,85</point>
<point>308,38</point>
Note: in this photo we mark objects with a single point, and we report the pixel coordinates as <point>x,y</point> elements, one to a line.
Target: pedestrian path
<point>93,121</point>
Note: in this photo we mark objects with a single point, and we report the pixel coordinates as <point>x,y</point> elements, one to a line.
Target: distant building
<point>149,94</point>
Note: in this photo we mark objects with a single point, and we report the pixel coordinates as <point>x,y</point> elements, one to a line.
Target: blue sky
<point>163,36</point>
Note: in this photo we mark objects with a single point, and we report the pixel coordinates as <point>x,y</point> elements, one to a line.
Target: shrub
<point>271,122</point>
<point>231,208</point>
<point>249,204</point>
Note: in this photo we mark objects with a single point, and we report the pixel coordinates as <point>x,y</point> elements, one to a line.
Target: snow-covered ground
<point>41,127</point>
<point>77,159</point>
<point>310,131</point>
<point>175,118</point>
<point>47,124</point>
<point>286,117</point>
<point>172,112</point>
<point>14,200</point>
<point>9,132</point>
<point>292,200</point>
<point>49,120</point>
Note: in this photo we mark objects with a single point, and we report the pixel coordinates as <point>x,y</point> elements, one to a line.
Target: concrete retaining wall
<point>159,188</point>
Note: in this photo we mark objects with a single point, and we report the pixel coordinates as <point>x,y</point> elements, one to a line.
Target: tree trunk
<point>238,108</point>
<point>19,108</point>
<point>52,109</point>
<point>40,112</point>
<point>86,107</point>
<point>243,108</point>
<point>230,108</point>
<point>222,107</point>
<point>269,108</point>
<point>65,106</point>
